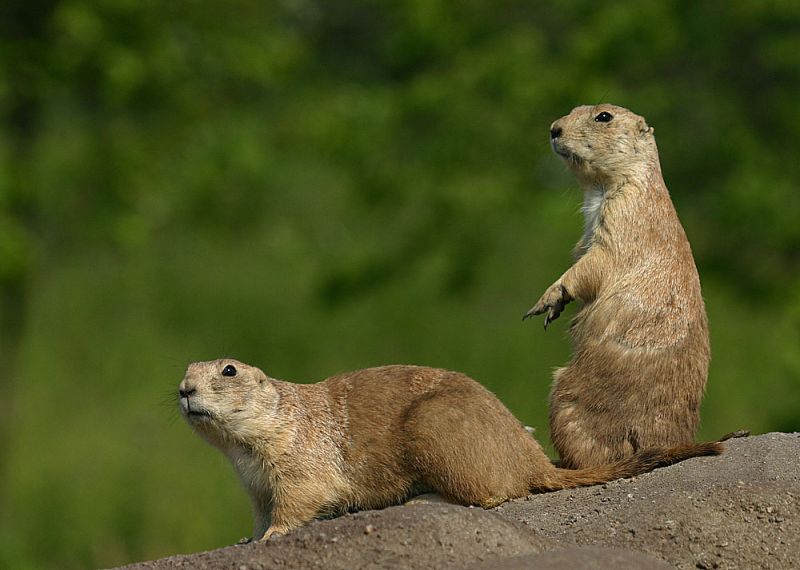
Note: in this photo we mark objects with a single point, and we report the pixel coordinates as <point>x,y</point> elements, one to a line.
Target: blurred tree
<point>23,74</point>
<point>355,180</point>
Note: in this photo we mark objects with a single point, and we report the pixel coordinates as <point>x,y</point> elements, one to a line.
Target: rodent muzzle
<point>185,392</point>
<point>555,134</point>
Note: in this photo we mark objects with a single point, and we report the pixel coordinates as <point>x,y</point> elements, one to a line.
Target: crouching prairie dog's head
<point>227,401</point>
<point>604,144</point>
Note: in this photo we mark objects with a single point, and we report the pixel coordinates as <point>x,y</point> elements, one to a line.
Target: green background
<point>314,186</point>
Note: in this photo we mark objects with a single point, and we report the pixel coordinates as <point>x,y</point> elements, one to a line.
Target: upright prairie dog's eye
<point>604,117</point>
<point>229,370</point>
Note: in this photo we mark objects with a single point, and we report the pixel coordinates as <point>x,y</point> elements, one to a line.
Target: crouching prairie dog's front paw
<point>273,532</point>
<point>552,302</point>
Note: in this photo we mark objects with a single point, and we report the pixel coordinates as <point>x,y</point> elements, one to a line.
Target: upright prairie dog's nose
<point>555,131</point>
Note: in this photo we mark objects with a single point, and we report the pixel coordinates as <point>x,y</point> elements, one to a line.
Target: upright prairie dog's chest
<point>592,209</point>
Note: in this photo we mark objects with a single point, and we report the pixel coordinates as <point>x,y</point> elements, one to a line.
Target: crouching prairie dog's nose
<point>186,389</point>
<point>555,131</point>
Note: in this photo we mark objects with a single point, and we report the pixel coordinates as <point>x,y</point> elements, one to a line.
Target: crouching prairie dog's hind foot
<point>373,438</point>
<point>492,502</point>
<point>428,499</point>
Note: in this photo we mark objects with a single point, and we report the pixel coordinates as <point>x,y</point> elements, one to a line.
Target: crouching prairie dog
<point>376,437</point>
<point>641,349</point>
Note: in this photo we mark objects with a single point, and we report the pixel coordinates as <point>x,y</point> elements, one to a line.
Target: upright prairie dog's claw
<point>533,311</point>
<point>552,315</point>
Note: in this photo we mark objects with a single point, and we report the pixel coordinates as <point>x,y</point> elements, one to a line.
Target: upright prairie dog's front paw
<point>553,302</point>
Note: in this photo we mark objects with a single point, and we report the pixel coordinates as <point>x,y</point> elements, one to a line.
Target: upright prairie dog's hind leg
<point>582,438</point>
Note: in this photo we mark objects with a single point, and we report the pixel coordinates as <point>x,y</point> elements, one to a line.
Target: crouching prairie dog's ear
<point>644,128</point>
<point>260,376</point>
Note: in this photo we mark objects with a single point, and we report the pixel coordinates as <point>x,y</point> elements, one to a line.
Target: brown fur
<point>641,349</point>
<point>376,437</point>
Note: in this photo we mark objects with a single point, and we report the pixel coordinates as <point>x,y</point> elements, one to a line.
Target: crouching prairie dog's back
<point>641,348</point>
<point>374,438</point>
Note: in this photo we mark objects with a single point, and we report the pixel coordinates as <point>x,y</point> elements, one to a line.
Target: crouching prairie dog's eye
<point>229,370</point>
<point>604,117</point>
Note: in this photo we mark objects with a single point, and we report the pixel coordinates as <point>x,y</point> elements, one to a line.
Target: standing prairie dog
<point>641,349</point>
<point>376,437</point>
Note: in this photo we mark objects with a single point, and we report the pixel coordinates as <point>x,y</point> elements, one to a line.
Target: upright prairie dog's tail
<point>641,462</point>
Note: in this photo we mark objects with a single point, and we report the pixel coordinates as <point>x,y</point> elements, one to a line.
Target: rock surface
<point>739,510</point>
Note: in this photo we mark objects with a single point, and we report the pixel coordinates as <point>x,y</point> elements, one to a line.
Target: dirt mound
<point>739,510</point>
<point>416,536</point>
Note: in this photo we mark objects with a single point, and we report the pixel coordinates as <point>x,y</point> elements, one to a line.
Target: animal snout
<point>555,132</point>
<point>185,390</point>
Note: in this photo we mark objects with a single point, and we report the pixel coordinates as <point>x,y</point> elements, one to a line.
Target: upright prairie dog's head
<point>604,144</point>
<point>227,400</point>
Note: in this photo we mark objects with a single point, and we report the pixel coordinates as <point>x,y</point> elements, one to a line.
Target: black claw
<point>531,313</point>
<point>553,314</point>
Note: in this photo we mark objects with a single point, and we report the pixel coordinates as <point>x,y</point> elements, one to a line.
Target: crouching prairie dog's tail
<point>641,462</point>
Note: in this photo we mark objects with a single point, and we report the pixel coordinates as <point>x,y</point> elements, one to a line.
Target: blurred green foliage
<point>316,186</point>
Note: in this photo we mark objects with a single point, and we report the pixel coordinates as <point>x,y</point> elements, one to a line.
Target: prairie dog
<point>641,350</point>
<point>376,437</point>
